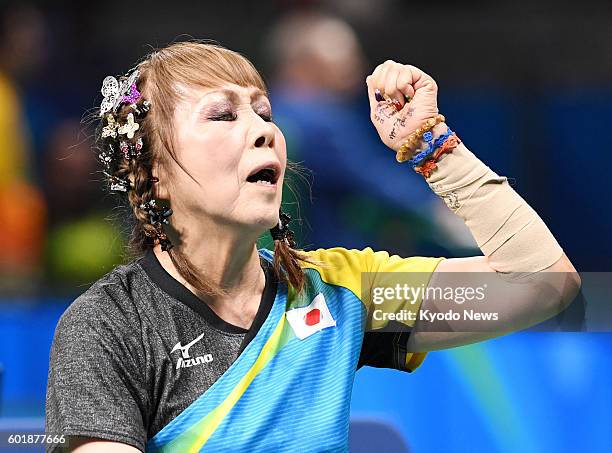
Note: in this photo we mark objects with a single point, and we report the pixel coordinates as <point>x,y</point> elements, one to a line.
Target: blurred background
<point>528,88</point>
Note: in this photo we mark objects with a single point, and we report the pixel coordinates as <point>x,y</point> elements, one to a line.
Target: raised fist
<point>403,87</point>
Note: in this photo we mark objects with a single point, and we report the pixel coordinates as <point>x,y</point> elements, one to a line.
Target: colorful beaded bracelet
<point>432,145</point>
<point>413,140</point>
<point>431,164</point>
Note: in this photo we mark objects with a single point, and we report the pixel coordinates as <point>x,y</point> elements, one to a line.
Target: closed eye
<point>227,116</point>
<point>266,116</point>
<point>232,116</point>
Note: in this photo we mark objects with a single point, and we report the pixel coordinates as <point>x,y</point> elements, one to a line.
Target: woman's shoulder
<point>340,253</point>
<point>328,254</point>
<point>342,261</point>
<point>111,298</point>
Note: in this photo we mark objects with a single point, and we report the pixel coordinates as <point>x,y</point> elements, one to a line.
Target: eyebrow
<point>234,97</point>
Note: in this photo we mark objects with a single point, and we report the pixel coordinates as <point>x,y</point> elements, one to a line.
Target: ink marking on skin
<point>386,111</point>
<point>398,123</point>
<point>452,200</point>
<point>389,111</point>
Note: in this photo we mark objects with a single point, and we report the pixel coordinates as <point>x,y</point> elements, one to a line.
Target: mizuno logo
<point>186,361</point>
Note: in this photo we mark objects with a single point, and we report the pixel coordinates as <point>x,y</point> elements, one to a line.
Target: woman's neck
<point>226,254</point>
<point>230,266</point>
<point>235,266</point>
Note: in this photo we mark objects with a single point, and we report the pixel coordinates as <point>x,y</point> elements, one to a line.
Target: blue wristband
<point>432,146</point>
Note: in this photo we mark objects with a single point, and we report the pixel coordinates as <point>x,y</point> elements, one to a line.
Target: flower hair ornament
<point>281,231</point>
<point>118,132</point>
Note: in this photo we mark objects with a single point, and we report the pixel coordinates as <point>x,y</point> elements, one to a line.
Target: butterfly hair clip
<point>116,92</point>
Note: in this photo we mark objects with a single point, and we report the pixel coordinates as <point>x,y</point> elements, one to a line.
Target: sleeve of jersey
<point>96,386</point>
<point>374,277</point>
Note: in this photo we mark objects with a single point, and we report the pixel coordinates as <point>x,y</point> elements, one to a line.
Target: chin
<point>265,221</point>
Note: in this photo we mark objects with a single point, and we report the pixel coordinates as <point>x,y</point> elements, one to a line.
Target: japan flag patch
<point>310,319</point>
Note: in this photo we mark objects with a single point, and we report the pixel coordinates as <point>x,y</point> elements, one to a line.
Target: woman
<point>206,342</point>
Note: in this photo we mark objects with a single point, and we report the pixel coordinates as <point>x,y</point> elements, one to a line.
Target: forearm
<point>507,230</point>
<point>509,304</point>
<point>527,276</point>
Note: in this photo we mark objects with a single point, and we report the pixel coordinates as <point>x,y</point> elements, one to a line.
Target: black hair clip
<point>160,237</point>
<point>281,232</point>
<point>158,216</point>
<point>165,243</point>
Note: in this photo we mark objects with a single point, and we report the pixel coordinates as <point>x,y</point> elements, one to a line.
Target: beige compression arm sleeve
<point>507,230</point>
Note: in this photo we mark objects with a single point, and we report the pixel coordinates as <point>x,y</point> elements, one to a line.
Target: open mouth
<point>266,176</point>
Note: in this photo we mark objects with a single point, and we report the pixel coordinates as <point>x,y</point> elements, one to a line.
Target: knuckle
<point>403,78</point>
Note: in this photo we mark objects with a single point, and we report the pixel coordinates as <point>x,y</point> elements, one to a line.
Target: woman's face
<point>223,137</point>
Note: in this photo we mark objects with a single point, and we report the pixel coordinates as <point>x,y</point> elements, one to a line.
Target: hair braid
<point>141,193</point>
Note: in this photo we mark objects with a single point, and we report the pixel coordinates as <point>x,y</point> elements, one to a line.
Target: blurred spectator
<point>22,209</point>
<point>82,244</point>
<point>361,195</point>
<point>61,238</point>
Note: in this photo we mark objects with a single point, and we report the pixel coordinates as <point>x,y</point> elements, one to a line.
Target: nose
<point>261,142</point>
<point>263,134</point>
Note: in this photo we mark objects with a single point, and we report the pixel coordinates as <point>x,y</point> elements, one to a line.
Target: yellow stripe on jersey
<point>194,438</point>
<point>414,360</point>
<point>354,268</point>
